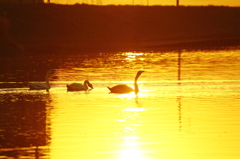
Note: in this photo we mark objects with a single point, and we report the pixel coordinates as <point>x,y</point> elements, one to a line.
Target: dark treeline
<point>8,47</point>
<point>59,28</point>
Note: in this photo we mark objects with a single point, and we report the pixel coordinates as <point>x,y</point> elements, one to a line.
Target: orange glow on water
<point>131,56</point>
<point>196,117</point>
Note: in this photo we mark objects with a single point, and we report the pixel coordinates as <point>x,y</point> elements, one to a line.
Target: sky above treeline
<point>152,2</point>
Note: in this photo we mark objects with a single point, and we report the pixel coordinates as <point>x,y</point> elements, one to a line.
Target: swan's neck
<point>136,87</point>
<point>135,82</point>
<point>86,84</point>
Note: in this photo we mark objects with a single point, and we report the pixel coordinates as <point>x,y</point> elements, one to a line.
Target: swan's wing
<point>38,86</point>
<point>121,89</point>
<point>76,86</point>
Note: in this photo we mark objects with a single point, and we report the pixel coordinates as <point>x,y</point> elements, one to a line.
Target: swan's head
<point>140,72</point>
<point>50,72</point>
<point>88,84</point>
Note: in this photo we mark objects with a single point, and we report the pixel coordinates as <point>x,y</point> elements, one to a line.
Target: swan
<point>79,87</point>
<point>41,86</point>
<point>122,88</point>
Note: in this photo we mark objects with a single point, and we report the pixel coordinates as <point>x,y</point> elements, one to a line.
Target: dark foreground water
<point>188,106</point>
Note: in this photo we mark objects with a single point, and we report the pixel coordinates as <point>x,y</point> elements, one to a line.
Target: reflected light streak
<point>130,95</point>
<point>131,153</point>
<point>134,109</point>
<point>130,147</point>
<point>131,56</point>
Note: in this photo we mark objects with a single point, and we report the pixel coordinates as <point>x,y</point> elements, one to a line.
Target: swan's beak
<point>91,86</point>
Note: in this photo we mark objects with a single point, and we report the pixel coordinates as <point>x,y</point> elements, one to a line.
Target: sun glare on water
<point>131,152</point>
<point>131,145</point>
<point>131,56</point>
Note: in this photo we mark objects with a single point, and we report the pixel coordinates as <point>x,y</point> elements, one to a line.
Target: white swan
<point>122,88</point>
<point>41,86</point>
<point>79,87</point>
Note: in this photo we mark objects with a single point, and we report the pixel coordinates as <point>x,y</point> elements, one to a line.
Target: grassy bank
<point>59,28</point>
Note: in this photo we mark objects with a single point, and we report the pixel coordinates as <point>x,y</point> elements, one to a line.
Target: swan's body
<point>122,88</point>
<point>41,86</point>
<point>79,87</point>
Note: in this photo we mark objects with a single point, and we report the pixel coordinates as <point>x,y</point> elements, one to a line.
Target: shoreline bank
<point>61,28</point>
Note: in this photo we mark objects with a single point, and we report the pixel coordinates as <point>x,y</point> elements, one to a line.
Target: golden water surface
<point>188,107</point>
